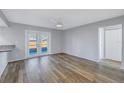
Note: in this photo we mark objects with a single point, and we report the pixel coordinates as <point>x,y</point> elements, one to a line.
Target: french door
<point>37,43</point>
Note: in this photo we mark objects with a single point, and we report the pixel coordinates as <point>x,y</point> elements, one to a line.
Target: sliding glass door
<point>37,43</point>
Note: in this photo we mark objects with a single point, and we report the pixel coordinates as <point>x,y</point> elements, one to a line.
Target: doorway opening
<point>110,45</point>
<point>37,43</point>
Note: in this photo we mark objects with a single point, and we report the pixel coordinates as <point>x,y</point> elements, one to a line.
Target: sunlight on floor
<point>111,63</point>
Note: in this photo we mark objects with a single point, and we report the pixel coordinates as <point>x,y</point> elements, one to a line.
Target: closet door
<point>113,44</point>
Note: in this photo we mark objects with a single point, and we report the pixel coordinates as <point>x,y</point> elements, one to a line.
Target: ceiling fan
<point>58,23</point>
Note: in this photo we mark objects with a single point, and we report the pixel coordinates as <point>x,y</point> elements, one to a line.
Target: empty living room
<point>61,46</point>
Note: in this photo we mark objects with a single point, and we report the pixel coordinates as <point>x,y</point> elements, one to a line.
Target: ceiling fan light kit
<point>59,25</point>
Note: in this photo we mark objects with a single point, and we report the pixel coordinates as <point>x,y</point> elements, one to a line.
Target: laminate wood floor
<point>60,68</point>
<point>111,63</point>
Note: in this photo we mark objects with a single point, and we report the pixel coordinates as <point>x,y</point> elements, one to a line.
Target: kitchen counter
<point>4,49</point>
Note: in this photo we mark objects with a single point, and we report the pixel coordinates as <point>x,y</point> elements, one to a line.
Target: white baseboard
<point>30,57</point>
<point>122,67</point>
<point>83,57</point>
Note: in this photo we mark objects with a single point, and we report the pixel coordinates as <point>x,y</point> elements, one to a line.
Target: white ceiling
<point>69,18</point>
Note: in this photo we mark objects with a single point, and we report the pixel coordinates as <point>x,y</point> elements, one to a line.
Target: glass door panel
<point>32,44</point>
<point>44,43</point>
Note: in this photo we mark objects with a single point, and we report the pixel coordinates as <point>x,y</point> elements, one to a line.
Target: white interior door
<point>113,44</point>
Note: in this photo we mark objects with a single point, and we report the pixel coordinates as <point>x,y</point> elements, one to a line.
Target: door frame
<point>101,44</point>
<point>26,43</point>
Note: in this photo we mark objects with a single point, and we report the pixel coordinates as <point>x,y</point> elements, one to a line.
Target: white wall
<point>56,42</point>
<point>15,34</point>
<point>83,41</point>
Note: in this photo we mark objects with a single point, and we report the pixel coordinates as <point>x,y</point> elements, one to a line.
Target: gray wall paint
<point>15,34</point>
<point>82,41</point>
<point>3,17</point>
<point>56,39</point>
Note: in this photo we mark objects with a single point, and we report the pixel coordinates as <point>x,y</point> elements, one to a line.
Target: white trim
<point>102,30</point>
<point>101,43</point>
<point>122,67</point>
<point>96,61</point>
<point>119,26</point>
<point>31,57</point>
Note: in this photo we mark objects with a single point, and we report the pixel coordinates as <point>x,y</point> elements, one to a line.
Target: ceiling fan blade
<point>54,21</point>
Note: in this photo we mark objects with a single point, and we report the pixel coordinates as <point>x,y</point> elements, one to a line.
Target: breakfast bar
<point>4,49</point>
